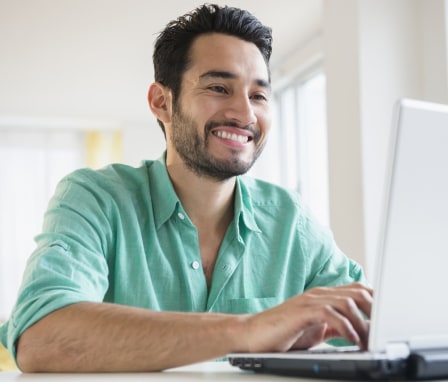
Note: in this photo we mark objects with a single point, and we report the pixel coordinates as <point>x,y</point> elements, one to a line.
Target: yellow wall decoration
<point>6,362</point>
<point>103,147</point>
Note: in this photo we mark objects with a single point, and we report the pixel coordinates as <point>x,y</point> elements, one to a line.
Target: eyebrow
<point>228,75</point>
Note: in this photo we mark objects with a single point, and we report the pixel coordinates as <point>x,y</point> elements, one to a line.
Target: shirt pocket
<point>252,305</point>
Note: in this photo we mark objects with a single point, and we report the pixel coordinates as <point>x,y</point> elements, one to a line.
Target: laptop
<point>408,336</point>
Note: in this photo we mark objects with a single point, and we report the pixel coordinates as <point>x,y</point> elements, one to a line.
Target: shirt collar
<point>244,211</point>
<point>164,198</point>
<point>166,202</point>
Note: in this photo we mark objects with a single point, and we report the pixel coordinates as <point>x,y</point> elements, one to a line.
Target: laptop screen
<point>410,302</point>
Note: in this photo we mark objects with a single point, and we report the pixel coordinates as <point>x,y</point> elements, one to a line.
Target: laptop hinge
<point>397,350</point>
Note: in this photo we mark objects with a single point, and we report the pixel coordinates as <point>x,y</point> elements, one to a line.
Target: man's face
<point>221,119</point>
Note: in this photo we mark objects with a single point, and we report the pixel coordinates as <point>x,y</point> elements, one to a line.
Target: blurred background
<point>74,75</point>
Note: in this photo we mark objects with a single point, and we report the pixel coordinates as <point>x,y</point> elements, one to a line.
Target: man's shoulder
<point>112,175</point>
<point>115,186</point>
<point>263,192</point>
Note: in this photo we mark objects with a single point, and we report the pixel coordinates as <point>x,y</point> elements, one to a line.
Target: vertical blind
<point>32,161</point>
<point>296,154</point>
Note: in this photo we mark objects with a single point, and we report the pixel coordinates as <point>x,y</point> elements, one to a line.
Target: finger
<point>347,308</point>
<point>357,285</point>
<point>311,336</point>
<point>360,294</point>
<point>339,324</point>
<point>363,297</point>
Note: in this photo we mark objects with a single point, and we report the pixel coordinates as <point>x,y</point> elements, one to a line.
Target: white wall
<point>342,66</point>
<point>142,142</point>
<point>375,52</point>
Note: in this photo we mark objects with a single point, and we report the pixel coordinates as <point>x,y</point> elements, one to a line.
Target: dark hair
<point>172,47</point>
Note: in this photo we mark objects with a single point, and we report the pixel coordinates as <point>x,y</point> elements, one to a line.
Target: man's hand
<point>311,318</point>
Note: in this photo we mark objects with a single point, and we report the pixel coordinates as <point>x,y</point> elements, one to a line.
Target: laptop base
<point>343,369</point>
<point>428,364</point>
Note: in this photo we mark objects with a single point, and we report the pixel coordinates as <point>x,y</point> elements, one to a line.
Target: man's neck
<point>208,202</point>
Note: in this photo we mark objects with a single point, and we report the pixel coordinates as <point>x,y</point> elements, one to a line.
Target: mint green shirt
<point>121,235</point>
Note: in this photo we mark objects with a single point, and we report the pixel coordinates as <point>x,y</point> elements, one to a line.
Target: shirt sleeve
<point>69,263</point>
<point>327,264</point>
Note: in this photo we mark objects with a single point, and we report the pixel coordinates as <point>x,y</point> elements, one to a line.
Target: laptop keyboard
<point>330,349</point>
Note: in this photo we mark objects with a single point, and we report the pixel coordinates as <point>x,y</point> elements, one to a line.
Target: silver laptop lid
<point>411,302</point>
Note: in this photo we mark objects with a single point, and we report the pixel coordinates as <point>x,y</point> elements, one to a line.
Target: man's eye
<point>259,97</point>
<point>218,89</point>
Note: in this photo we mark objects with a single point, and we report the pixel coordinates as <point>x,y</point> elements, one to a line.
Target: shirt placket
<point>195,280</point>
<point>229,258</point>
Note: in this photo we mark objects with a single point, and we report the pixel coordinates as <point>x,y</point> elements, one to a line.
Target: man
<point>184,260</point>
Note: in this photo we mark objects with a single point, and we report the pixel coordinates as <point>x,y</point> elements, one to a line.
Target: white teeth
<point>232,137</point>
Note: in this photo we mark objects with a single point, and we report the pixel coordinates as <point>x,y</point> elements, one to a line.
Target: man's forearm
<point>105,337</point>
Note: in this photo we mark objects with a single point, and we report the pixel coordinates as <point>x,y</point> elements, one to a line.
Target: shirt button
<point>195,264</point>
<point>181,216</point>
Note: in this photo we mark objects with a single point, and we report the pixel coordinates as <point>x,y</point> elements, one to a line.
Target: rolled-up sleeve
<point>69,263</point>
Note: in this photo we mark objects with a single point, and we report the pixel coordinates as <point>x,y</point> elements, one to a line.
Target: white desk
<point>207,371</point>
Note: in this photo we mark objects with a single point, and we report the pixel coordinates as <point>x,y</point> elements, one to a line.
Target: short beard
<point>194,150</point>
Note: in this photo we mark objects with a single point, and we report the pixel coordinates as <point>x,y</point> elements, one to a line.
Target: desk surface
<point>207,371</point>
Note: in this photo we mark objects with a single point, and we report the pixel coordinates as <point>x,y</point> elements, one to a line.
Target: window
<point>313,149</point>
<point>296,154</point>
<point>33,160</point>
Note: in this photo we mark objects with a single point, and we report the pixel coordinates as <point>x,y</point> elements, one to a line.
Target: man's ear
<point>160,102</point>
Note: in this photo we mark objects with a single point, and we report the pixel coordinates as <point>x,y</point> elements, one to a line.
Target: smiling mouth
<point>232,136</point>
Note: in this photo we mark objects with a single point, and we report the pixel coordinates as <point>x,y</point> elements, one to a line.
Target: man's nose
<point>241,110</point>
